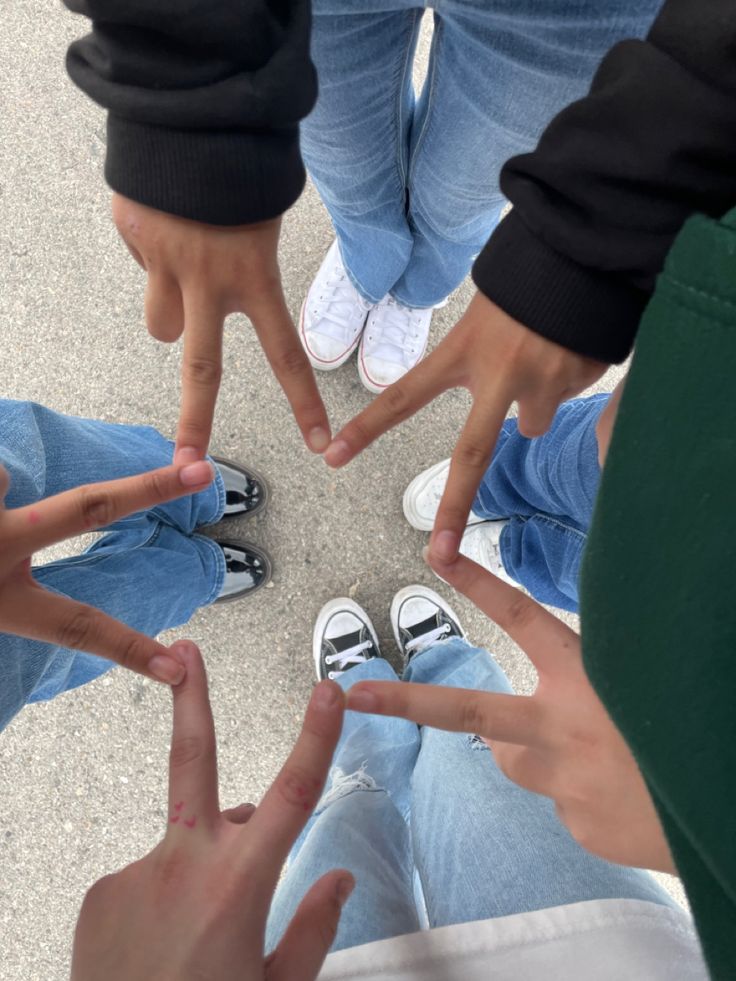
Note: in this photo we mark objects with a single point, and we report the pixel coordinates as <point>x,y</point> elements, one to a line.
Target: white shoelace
<point>352,655</point>
<point>340,298</point>
<point>396,337</point>
<point>419,643</point>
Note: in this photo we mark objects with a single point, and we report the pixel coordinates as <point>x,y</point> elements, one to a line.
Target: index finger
<point>34,526</point>
<point>469,462</point>
<point>193,793</point>
<point>547,641</point>
<point>293,795</point>
<point>28,610</point>
<point>492,715</point>
<point>292,370</point>
<point>400,401</point>
<point>201,370</point>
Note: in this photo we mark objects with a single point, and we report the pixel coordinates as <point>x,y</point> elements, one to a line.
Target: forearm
<point>599,202</point>
<point>204,101</point>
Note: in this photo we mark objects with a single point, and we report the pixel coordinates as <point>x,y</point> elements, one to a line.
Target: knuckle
<point>186,750</point>
<point>472,716</point>
<point>519,613</point>
<point>396,400</point>
<point>470,456</point>
<point>95,508</point>
<point>131,653</point>
<point>77,631</point>
<point>156,486</point>
<point>296,787</point>
<point>290,362</point>
<point>204,372</point>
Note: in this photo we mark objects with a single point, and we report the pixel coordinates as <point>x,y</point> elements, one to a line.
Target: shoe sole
<point>251,473</point>
<point>263,556</point>
<point>375,387</point>
<point>426,593</point>
<point>330,607</point>
<point>318,363</point>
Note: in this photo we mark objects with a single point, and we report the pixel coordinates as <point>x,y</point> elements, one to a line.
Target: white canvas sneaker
<point>420,617</point>
<point>481,543</point>
<point>423,495</point>
<point>333,315</point>
<point>394,340</point>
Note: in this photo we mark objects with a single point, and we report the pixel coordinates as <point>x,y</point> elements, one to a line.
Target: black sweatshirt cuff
<point>221,178</point>
<point>593,313</point>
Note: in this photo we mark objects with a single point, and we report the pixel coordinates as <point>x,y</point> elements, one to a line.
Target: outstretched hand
<point>197,275</point>
<point>558,742</point>
<point>499,361</point>
<point>196,906</point>
<point>29,610</point>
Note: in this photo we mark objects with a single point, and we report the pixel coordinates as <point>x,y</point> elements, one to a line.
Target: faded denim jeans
<point>149,570</point>
<point>432,830</point>
<point>411,184</point>
<point>546,487</point>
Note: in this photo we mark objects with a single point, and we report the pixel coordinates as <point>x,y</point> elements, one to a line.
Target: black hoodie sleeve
<point>204,99</point>
<point>598,204</point>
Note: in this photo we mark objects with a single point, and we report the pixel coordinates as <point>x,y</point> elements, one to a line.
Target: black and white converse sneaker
<point>343,637</point>
<point>420,617</point>
<point>246,492</point>
<point>248,568</point>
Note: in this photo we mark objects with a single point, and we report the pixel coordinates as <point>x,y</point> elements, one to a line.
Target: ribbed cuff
<point>221,178</point>
<point>590,312</point>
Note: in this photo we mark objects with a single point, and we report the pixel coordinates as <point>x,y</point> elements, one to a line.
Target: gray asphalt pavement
<point>83,777</point>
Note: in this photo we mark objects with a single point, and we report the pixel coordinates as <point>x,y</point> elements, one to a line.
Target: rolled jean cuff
<point>214,497</point>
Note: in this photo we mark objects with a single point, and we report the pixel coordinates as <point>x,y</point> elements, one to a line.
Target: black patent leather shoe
<point>246,492</point>
<point>248,568</point>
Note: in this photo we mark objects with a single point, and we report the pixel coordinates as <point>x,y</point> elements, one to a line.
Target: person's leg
<point>360,824</point>
<point>484,847</point>
<point>546,488</point>
<point>46,452</point>
<point>499,71</point>
<point>355,141</point>
<point>147,574</point>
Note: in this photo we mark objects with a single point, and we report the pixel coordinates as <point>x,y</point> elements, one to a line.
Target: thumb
<point>309,936</point>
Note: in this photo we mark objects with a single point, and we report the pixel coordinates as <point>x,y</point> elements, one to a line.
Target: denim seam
<point>432,81</point>
<point>404,169</point>
<point>87,558</point>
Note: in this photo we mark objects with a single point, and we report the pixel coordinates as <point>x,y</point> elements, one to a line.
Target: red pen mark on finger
<point>178,807</point>
<point>33,517</point>
<point>190,822</point>
<point>174,818</point>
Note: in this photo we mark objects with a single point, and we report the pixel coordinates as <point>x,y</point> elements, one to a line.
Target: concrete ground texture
<point>84,777</point>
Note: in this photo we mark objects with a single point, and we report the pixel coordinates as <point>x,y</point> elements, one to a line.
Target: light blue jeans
<point>546,487</point>
<point>412,185</point>
<point>148,570</point>
<point>407,805</point>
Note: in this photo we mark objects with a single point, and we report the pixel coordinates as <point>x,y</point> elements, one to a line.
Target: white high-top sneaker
<point>333,315</point>
<point>423,495</point>
<point>481,543</point>
<point>394,340</point>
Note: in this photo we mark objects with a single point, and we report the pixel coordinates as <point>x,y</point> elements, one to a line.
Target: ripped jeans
<point>432,830</point>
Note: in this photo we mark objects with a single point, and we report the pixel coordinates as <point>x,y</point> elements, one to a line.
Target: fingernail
<point>445,545</point>
<point>425,554</point>
<point>325,696</point>
<point>337,453</point>
<point>362,700</point>
<point>166,669</point>
<point>196,473</point>
<point>344,890</point>
<point>187,454</point>
<point>318,439</point>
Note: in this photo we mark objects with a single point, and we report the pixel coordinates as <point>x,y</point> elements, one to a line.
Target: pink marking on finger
<point>190,822</point>
<point>175,818</point>
<point>178,807</point>
<point>33,517</point>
